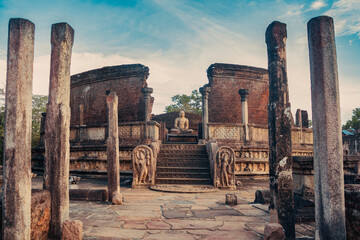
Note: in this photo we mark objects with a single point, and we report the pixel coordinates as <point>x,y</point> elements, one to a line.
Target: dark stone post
<point>244,93</point>
<point>280,122</point>
<point>328,152</point>
<point>205,90</point>
<point>298,115</point>
<point>112,147</point>
<point>57,127</point>
<point>17,145</point>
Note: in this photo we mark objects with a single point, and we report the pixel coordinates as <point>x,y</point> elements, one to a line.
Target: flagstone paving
<point>148,214</point>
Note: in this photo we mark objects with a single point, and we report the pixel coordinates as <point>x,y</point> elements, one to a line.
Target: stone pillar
<point>298,122</point>
<point>147,96</point>
<point>57,127</point>
<point>112,148</point>
<point>304,119</point>
<point>328,153</point>
<point>17,145</point>
<point>81,117</point>
<point>205,110</point>
<point>244,93</point>
<point>280,122</point>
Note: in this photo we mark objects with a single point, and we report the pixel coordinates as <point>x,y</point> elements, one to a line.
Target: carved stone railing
<point>144,166</point>
<point>224,168</point>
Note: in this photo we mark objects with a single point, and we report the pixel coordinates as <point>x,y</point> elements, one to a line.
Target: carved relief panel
<point>143,166</point>
<point>224,169</point>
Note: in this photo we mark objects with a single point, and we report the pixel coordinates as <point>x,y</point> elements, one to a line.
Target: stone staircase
<point>183,164</point>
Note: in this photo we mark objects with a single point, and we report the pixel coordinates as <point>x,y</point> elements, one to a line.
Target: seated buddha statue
<point>181,124</point>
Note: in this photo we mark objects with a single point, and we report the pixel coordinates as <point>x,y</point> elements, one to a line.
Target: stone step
<point>182,164</point>
<point>182,146</point>
<point>192,181</point>
<point>182,160</point>
<point>188,152</point>
<point>183,169</point>
<point>172,156</point>
<point>184,175</point>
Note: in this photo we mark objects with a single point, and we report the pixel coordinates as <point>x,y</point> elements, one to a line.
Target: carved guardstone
<point>143,167</point>
<point>224,168</point>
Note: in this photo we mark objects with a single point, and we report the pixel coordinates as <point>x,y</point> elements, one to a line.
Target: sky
<point>179,39</point>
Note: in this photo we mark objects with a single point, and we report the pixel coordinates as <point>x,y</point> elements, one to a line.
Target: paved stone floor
<point>148,214</point>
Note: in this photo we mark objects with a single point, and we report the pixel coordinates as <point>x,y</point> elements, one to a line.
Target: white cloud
<point>346,15</point>
<point>318,4</point>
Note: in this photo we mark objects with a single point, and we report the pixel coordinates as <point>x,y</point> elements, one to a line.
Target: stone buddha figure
<point>181,124</point>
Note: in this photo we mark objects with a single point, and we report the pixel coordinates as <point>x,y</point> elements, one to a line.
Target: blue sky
<point>179,39</point>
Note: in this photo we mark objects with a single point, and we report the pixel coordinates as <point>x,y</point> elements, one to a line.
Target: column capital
<point>244,93</point>
<point>205,90</point>
<point>147,91</point>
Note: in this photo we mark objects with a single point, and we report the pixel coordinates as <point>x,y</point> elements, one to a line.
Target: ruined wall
<point>225,81</point>
<point>88,94</point>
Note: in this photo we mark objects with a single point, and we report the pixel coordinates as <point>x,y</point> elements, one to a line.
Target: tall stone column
<point>298,118</point>
<point>280,122</point>
<point>147,96</point>
<point>57,127</point>
<point>205,90</point>
<point>17,148</point>
<point>244,93</point>
<point>112,148</point>
<point>328,152</point>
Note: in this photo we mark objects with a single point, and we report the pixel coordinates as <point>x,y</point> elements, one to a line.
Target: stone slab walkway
<point>148,214</point>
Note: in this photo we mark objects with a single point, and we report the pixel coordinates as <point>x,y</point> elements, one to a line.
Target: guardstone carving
<point>224,169</point>
<point>143,166</point>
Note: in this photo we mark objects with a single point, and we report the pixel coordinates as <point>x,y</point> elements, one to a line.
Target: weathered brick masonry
<point>89,89</point>
<point>224,100</point>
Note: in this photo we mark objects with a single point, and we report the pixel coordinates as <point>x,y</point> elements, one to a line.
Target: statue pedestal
<point>181,138</point>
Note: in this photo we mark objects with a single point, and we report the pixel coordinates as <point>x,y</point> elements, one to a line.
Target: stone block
<point>230,199</point>
<point>274,231</point>
<point>262,196</point>
<point>88,194</point>
<point>40,214</point>
<point>72,230</point>
<point>352,211</point>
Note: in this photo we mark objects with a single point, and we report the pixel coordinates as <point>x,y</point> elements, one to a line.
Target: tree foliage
<point>38,106</point>
<point>189,103</point>
<point>354,122</point>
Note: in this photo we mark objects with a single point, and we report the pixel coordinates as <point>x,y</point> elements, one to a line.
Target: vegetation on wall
<point>354,122</point>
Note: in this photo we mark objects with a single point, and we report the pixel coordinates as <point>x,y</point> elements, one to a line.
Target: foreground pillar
<point>205,90</point>
<point>17,145</point>
<point>328,153</point>
<point>112,148</point>
<point>57,127</point>
<point>280,121</point>
<point>244,93</point>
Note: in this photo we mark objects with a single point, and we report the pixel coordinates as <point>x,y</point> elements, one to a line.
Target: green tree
<point>354,122</point>
<point>38,106</point>
<point>189,103</point>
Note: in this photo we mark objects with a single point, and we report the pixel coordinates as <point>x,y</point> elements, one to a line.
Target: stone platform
<point>181,138</point>
<point>148,214</point>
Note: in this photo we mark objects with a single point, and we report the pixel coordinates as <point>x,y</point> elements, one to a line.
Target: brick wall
<point>89,89</point>
<point>225,81</point>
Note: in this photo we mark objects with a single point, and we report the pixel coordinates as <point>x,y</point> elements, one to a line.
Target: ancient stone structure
<point>244,93</point>
<point>17,145</point>
<point>280,123</point>
<point>205,110</point>
<point>225,80</point>
<point>112,149</point>
<point>144,166</point>
<point>328,153</point>
<point>352,208</point>
<point>224,168</point>
<point>57,127</point>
